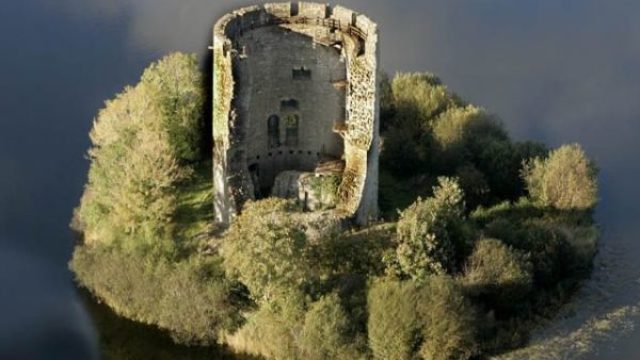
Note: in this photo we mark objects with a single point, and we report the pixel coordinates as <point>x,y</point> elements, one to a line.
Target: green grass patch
<point>194,217</point>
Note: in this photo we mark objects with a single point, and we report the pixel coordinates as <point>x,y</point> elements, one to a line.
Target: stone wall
<point>304,59</point>
<point>268,90</point>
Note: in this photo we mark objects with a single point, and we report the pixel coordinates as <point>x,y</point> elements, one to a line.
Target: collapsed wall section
<point>258,50</point>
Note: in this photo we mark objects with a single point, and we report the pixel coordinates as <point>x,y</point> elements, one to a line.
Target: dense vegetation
<point>481,237</point>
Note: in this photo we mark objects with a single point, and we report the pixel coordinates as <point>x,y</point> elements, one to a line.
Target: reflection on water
<point>120,338</point>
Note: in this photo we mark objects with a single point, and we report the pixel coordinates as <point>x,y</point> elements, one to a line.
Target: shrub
<point>432,319</point>
<point>357,252</point>
<point>498,274</point>
<point>474,185</point>
<point>427,230</point>
<point>266,249</point>
<point>327,331</point>
<point>565,180</point>
<point>393,326</point>
<point>272,331</point>
<point>547,248</point>
<point>583,244</point>
<point>448,321</point>
<point>192,299</point>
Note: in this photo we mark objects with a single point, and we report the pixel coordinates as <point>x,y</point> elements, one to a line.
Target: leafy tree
<point>130,192</point>
<point>411,102</point>
<point>176,83</point>
<point>566,180</point>
<point>457,131</point>
<point>266,249</point>
<point>418,98</point>
<point>428,232</point>
<point>138,140</point>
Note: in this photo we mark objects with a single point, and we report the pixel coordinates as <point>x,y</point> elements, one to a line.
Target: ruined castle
<point>296,109</point>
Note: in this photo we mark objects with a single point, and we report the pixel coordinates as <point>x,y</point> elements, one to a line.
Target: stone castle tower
<point>296,109</point>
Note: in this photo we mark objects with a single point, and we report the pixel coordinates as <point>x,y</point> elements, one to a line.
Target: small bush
<point>272,331</point>
<point>474,185</point>
<point>433,320</point>
<point>566,180</point>
<point>327,331</point>
<point>427,232</point>
<point>449,321</point>
<point>393,326</point>
<point>498,274</point>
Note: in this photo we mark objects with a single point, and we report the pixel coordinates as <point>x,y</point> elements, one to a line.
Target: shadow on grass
<point>194,216</point>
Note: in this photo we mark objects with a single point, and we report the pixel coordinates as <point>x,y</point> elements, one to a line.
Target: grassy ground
<point>194,217</point>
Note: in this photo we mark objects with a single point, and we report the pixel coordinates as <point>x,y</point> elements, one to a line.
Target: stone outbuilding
<point>296,109</point>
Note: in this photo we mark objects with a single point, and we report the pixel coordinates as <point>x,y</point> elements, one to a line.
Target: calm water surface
<point>556,71</point>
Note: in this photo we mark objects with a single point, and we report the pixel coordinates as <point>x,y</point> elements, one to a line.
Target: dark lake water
<point>555,70</point>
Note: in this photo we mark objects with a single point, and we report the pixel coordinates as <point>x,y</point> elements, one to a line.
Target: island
<point>292,201</point>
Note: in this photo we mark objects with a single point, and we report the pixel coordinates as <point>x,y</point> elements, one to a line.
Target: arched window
<point>273,125</point>
<point>291,139</point>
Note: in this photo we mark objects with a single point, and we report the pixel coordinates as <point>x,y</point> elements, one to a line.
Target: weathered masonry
<point>296,109</point>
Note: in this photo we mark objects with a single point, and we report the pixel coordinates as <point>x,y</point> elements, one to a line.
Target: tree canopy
<point>481,235</point>
<point>138,141</point>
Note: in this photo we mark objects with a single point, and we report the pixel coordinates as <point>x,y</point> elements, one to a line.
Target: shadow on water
<point>123,339</point>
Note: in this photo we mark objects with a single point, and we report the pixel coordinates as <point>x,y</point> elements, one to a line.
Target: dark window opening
<point>274,131</point>
<point>291,152</point>
<point>292,124</point>
<point>362,47</point>
<point>295,9</point>
<point>301,73</point>
<point>289,104</point>
<point>254,171</point>
<point>329,12</point>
